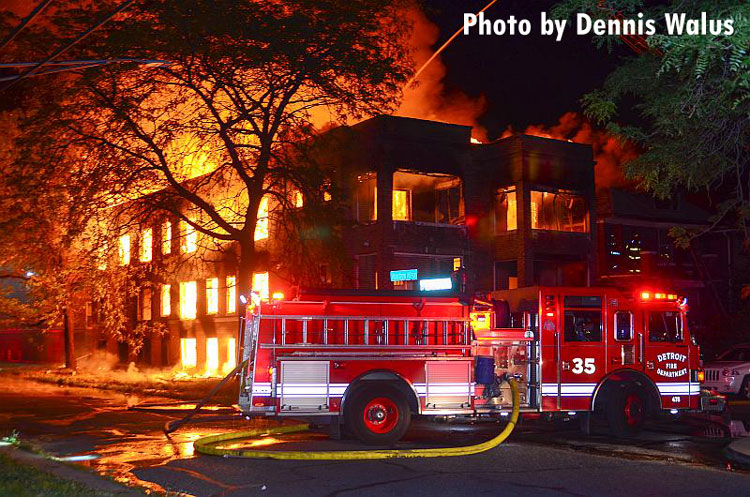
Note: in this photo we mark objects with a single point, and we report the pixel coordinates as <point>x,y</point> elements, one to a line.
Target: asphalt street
<point>540,458</point>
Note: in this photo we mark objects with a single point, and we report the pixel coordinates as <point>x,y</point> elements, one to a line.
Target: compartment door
<point>448,384</point>
<point>305,386</point>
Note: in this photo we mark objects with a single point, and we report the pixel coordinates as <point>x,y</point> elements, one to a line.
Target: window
<point>664,326</point>
<point>166,238</point>
<point>261,226</point>
<point>366,198</point>
<point>506,210</point>
<point>212,354</point>
<point>448,205</point>
<point>299,200</point>
<point>124,250</point>
<point>212,295</point>
<point>583,319</point>
<point>260,285</point>
<point>188,352</point>
<point>189,238</point>
<point>166,300</point>
<point>401,205</point>
<point>558,211</point>
<point>231,355</point>
<point>147,244</point>
<point>146,305</point>
<point>188,299</point>
<point>623,326</point>
<point>231,294</point>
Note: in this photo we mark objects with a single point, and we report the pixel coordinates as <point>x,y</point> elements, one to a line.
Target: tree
<point>207,139</point>
<point>51,225</point>
<point>685,103</point>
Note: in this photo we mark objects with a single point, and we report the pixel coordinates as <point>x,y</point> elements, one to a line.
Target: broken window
<point>558,211</point>
<point>166,300</point>
<point>146,305</point>
<point>188,299</point>
<point>261,226</point>
<point>189,238</point>
<point>506,211</point>
<point>260,285</point>
<point>147,242</point>
<point>231,294</point>
<point>166,238</point>
<point>212,295</point>
<point>366,198</point>
<point>124,251</point>
<point>427,197</point>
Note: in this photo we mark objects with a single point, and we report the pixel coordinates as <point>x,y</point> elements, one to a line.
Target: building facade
<point>421,201</point>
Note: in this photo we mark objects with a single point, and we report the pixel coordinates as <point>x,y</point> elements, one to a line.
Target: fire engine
<point>371,361</point>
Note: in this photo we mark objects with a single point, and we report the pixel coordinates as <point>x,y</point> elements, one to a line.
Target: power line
<point>67,47</point>
<point>24,22</point>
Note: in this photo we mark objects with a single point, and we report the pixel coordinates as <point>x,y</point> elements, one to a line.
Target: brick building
<point>420,200</point>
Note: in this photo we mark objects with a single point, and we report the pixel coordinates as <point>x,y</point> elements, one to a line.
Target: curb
<point>68,472</point>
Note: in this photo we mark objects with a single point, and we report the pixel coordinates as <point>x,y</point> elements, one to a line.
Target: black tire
<point>744,392</point>
<point>377,414</point>
<point>626,411</point>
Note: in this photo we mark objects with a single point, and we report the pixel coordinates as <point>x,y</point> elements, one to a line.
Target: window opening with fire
<point>559,211</point>
<point>506,210</point>
<point>427,197</point>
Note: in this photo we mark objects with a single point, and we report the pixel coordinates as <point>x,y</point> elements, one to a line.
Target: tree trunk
<point>246,264</point>
<point>69,338</point>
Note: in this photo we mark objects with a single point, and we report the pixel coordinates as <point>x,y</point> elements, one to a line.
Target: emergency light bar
<point>645,295</point>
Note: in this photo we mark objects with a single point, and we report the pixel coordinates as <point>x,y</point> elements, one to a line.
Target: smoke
<point>429,98</point>
<point>610,153</point>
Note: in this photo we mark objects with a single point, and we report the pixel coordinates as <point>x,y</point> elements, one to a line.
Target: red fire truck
<point>371,361</point>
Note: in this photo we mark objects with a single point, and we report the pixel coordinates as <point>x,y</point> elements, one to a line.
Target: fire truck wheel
<point>626,411</point>
<point>378,415</point>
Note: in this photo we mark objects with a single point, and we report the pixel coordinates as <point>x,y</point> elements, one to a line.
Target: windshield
<point>664,326</point>
<point>742,354</point>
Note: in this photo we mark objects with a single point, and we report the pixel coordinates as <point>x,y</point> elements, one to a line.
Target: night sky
<point>527,79</point>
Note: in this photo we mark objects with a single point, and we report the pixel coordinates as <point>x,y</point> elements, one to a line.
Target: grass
<point>20,480</point>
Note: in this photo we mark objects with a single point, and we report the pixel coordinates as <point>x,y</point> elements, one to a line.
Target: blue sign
<point>404,275</point>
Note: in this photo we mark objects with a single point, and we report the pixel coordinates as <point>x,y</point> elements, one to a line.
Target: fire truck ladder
<point>249,352</point>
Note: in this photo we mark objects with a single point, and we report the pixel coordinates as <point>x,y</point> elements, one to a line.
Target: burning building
<point>420,199</point>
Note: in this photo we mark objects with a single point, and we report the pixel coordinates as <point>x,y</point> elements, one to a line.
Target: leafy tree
<point>209,137</point>
<point>51,225</point>
<point>686,103</point>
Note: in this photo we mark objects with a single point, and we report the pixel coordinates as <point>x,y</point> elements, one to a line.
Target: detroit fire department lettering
<point>671,369</point>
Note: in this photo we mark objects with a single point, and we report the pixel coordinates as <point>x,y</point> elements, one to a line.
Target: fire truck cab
<point>373,360</point>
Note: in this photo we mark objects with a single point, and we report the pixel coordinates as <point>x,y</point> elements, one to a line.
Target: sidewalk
<point>739,451</point>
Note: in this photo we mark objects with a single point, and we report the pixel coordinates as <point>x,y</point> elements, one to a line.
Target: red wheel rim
<point>381,415</point>
<point>633,409</point>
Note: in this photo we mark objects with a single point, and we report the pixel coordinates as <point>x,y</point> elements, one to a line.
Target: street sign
<point>404,275</point>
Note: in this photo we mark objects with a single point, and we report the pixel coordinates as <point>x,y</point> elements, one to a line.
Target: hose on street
<point>210,445</point>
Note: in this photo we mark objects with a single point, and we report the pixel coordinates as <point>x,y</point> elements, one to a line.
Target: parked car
<point>730,372</point>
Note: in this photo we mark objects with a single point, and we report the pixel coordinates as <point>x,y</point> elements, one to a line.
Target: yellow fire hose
<point>207,445</point>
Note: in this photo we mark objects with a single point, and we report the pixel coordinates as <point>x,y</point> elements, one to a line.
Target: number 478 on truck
<point>371,361</point>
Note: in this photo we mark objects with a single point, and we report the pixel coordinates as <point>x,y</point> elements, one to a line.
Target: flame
<point>429,98</point>
<point>231,355</point>
<point>212,356</point>
<point>610,153</point>
<point>189,352</point>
